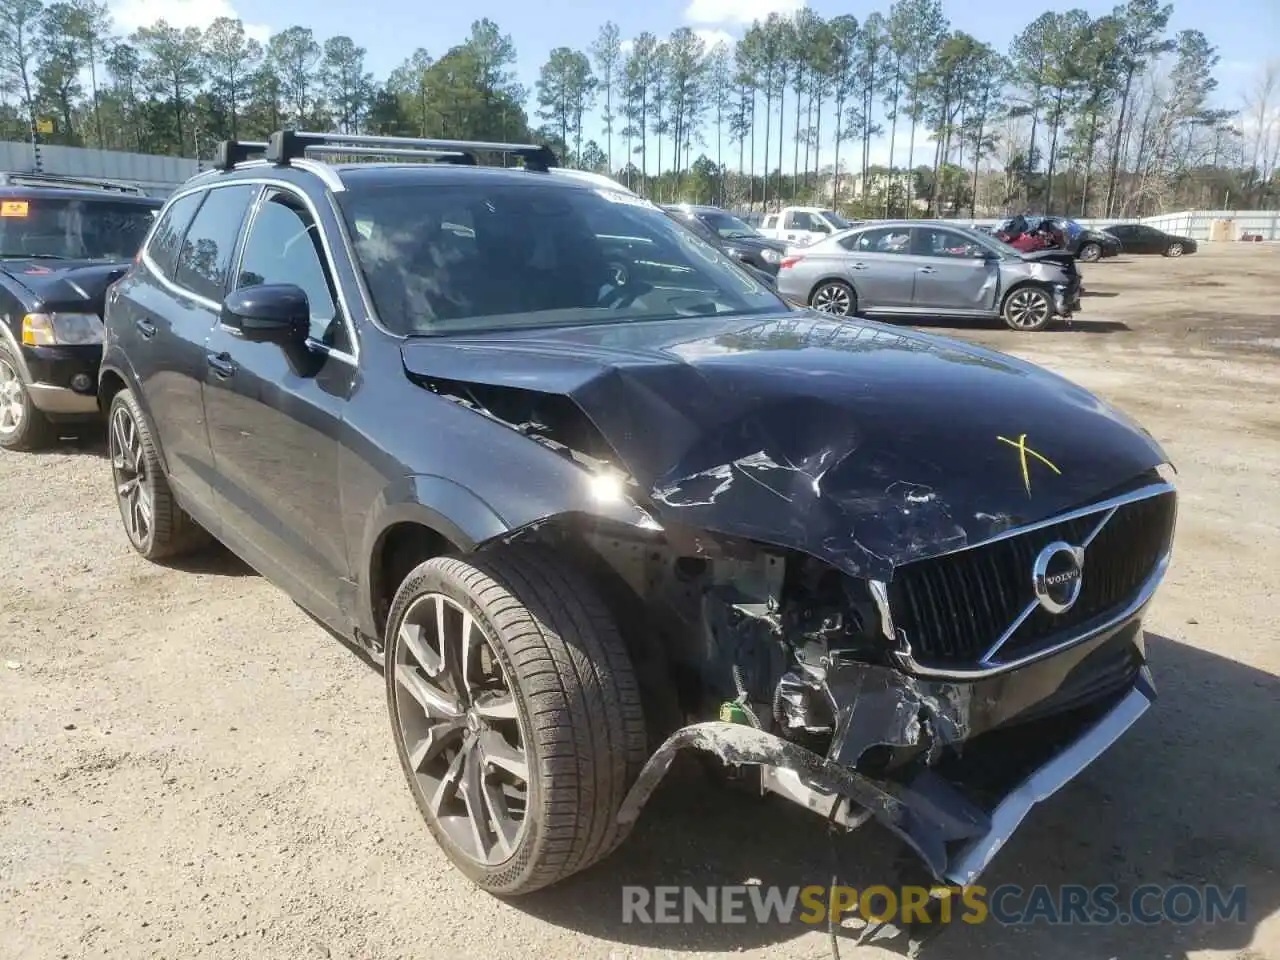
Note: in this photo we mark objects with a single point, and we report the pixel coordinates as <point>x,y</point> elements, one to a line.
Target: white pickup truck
<point>802,225</point>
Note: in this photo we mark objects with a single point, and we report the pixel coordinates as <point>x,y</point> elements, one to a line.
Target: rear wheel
<point>157,527</point>
<point>1028,309</point>
<point>22,426</point>
<point>1090,252</point>
<point>834,297</point>
<point>515,713</point>
<point>1175,250</point>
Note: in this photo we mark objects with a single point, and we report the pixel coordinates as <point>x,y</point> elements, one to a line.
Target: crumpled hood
<point>59,284</point>
<point>862,444</point>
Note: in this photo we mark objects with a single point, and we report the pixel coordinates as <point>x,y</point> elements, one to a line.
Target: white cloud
<point>738,11</point>
<point>712,37</point>
<point>132,14</point>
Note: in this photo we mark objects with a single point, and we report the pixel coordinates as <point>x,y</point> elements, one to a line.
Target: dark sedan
<point>1140,238</point>
<point>732,235</point>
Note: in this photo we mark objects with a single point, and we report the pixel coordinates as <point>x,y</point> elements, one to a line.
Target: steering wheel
<point>624,290</point>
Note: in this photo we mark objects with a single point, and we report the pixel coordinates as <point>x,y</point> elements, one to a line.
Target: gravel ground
<point>191,767</point>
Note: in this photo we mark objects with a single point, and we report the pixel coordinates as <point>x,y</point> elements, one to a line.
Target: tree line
<point>1107,116</point>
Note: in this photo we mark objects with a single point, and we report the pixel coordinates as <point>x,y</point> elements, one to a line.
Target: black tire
<point>28,429</point>
<point>577,711</point>
<point>1090,252</point>
<point>1028,309</point>
<point>1174,250</point>
<point>834,297</point>
<point>171,532</point>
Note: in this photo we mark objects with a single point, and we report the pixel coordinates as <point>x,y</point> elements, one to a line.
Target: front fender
<point>468,522</point>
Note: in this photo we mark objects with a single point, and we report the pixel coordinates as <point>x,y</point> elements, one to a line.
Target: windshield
<point>726,224</point>
<point>490,256</point>
<point>77,229</point>
<point>837,221</point>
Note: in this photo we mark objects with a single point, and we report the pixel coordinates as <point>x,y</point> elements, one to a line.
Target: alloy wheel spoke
<point>495,705</point>
<point>449,783</point>
<point>468,653</point>
<point>504,828</point>
<point>472,789</point>
<point>433,743</point>
<point>413,636</point>
<point>498,753</point>
<point>435,703</point>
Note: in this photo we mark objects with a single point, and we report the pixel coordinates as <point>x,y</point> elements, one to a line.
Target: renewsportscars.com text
<point>1007,905</point>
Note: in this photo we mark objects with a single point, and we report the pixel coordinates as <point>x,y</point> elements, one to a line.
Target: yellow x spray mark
<point>1023,452</point>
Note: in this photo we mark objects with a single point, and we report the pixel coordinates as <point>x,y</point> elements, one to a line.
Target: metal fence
<point>159,176</point>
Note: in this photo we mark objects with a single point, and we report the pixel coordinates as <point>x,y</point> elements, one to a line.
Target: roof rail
<point>20,179</point>
<point>230,152</point>
<point>287,145</point>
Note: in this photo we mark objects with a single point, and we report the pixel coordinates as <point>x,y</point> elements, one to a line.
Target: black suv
<point>590,493</point>
<point>63,240</point>
<point>735,237</point>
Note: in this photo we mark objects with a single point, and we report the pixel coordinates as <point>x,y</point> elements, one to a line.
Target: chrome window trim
<point>986,668</point>
<point>292,189</point>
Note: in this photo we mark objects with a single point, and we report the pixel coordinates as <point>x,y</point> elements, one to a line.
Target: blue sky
<point>1246,32</point>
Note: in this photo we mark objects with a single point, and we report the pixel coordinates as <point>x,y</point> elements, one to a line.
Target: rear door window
<point>205,259</point>
<point>166,242</point>
<point>882,240</point>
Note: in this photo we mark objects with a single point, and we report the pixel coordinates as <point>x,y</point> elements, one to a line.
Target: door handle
<point>146,328</point>
<point>858,266</point>
<point>927,270</point>
<point>222,364</point>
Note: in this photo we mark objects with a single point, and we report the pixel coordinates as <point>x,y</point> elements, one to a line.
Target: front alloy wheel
<point>1028,309</point>
<point>458,719</point>
<point>1090,252</point>
<point>1175,250</point>
<point>22,426</point>
<point>515,713</point>
<point>835,298</point>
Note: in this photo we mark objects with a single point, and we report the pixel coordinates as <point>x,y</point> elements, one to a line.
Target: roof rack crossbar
<point>448,156</point>
<point>286,145</point>
<point>21,179</point>
<point>230,152</point>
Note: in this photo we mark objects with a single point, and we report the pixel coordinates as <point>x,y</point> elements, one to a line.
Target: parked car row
<point>590,493</point>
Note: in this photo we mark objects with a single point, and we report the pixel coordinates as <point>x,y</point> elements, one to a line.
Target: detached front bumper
<point>1022,736</point>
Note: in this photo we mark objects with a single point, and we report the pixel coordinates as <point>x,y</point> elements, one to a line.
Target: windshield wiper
<point>32,256</point>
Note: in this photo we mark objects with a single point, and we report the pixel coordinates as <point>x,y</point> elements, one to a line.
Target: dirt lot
<point>190,767</point>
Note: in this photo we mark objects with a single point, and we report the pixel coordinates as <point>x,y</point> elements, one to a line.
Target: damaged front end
<point>832,581</point>
<point>944,704</point>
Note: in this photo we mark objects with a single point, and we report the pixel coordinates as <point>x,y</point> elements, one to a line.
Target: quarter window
<point>206,250</point>
<point>284,247</point>
<point>167,240</point>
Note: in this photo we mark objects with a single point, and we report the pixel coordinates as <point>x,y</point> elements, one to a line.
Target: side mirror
<point>821,226</point>
<point>268,313</point>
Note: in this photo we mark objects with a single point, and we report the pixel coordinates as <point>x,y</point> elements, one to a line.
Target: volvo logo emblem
<point>1057,576</point>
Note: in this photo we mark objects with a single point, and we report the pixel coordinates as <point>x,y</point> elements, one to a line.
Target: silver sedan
<point>920,268</point>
